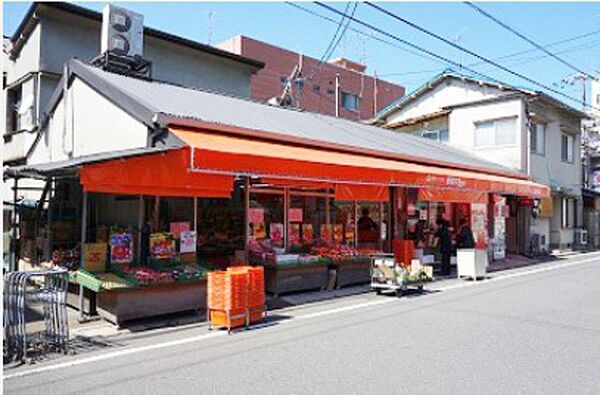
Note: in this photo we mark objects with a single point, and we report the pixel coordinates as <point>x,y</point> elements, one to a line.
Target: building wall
<point>449,92</point>
<point>462,125</point>
<point>318,91</point>
<point>92,125</point>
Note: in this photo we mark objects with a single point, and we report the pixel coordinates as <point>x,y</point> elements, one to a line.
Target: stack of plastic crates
<point>256,308</point>
<point>236,297</point>
<point>227,299</point>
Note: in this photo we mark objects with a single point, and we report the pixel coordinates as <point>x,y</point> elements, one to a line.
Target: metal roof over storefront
<point>159,104</point>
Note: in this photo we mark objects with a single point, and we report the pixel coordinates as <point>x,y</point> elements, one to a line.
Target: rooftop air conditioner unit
<point>122,32</point>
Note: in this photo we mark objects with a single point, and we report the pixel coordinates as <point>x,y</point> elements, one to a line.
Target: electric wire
<point>522,36</point>
<point>468,51</point>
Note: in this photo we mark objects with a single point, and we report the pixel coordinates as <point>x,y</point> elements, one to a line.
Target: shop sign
<point>177,227</point>
<point>94,257</point>
<point>121,248</point>
<point>188,241</point>
<point>256,215</point>
<point>295,215</point>
<point>276,233</point>
<point>162,245</point>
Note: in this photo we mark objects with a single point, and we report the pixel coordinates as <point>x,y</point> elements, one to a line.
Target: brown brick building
<point>360,96</point>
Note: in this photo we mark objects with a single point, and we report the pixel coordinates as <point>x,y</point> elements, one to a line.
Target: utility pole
<point>337,95</point>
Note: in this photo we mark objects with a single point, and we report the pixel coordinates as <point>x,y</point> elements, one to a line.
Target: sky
<point>286,26</point>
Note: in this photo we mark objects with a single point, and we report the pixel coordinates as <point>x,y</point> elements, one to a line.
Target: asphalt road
<point>524,332</point>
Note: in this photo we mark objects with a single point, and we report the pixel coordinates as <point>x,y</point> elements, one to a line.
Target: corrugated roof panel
<point>231,111</point>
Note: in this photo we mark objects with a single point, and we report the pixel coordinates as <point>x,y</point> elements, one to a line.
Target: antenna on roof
<point>122,43</point>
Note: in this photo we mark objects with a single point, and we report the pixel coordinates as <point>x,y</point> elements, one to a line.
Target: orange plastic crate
<point>218,318</point>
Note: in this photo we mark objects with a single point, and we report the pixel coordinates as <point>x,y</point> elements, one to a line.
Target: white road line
<point>129,351</point>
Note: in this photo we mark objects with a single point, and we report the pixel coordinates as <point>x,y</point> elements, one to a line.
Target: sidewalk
<point>96,331</point>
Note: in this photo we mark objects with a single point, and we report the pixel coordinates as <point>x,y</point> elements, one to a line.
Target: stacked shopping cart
<point>45,288</point>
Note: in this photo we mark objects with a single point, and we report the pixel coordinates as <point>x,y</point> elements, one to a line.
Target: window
<point>538,138</point>
<point>568,213</point>
<point>350,101</point>
<point>566,148</point>
<point>436,135</point>
<point>496,133</point>
<point>13,105</point>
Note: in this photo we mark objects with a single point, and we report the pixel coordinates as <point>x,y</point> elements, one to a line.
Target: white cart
<point>471,262</point>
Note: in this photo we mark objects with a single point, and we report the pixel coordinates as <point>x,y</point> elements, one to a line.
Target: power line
<point>474,54</point>
<point>381,40</point>
<point>337,30</point>
<point>515,54</point>
<point>522,36</point>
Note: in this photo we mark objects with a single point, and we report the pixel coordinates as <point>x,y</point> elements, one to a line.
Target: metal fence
<point>47,289</point>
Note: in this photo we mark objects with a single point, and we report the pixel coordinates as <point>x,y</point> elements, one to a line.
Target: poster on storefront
<point>258,231</point>
<point>162,245</point>
<point>177,227</point>
<point>499,228</point>
<point>121,248</point>
<point>307,233</point>
<point>295,215</point>
<point>188,242</point>
<point>276,234</point>
<point>326,233</point>
<point>338,233</point>
<point>256,215</point>
<point>411,210</point>
<point>479,224</point>
<point>94,257</point>
<point>294,235</point>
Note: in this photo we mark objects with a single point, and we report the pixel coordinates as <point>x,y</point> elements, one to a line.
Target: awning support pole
<point>381,224</point>
<point>15,227</point>
<point>195,214</point>
<point>327,211</point>
<point>286,211</point>
<point>246,217</point>
<point>140,227</point>
<point>355,206</point>
<point>81,258</point>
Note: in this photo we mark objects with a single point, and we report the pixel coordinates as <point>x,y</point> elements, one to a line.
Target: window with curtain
<point>496,133</point>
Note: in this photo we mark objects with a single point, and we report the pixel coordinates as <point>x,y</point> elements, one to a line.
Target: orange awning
<point>237,155</point>
<point>163,174</point>
<point>369,193</point>
<point>451,196</point>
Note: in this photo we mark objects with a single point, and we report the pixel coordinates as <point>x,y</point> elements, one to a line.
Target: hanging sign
<point>121,248</point>
<point>188,242</point>
<point>258,231</point>
<point>295,215</point>
<point>326,233</point>
<point>256,215</point>
<point>338,232</point>
<point>177,227</point>
<point>162,245</point>
<point>294,235</point>
<point>276,233</point>
<point>307,233</point>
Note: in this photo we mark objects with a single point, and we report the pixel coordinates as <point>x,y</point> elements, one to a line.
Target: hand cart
<point>389,276</point>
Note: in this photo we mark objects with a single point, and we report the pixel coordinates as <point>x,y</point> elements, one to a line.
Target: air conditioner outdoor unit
<point>122,32</point>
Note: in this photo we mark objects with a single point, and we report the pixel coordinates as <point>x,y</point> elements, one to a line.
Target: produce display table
<point>293,278</point>
<point>120,305</point>
<point>356,270</point>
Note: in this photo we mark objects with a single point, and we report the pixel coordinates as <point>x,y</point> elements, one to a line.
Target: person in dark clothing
<point>445,244</point>
<point>464,238</point>
<point>366,223</point>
